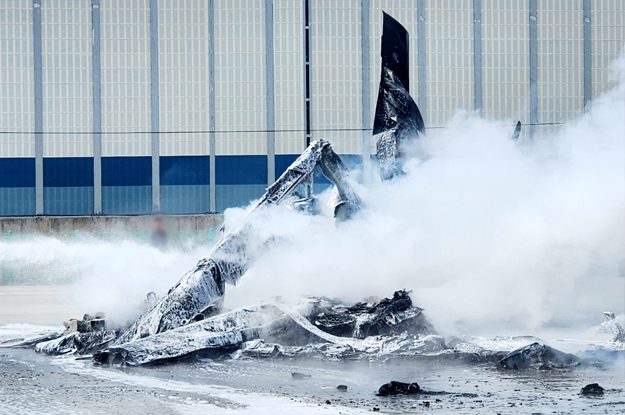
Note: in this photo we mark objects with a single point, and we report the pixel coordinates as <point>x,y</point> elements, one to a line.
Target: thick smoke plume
<point>489,234</point>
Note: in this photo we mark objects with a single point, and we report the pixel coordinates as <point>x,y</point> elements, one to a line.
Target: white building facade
<point>126,107</point>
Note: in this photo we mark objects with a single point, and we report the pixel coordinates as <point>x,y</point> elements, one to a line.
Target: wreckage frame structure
<point>189,319</point>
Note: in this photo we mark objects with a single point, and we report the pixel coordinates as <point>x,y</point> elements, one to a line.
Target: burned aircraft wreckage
<point>189,319</point>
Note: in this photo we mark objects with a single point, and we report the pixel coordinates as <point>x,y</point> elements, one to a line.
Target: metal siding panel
<point>67,78</point>
<point>183,76</point>
<point>560,62</point>
<point>289,77</point>
<point>68,201</point>
<point>17,98</point>
<point>608,41</point>
<point>126,200</point>
<point>505,49</point>
<point>450,54</point>
<point>17,201</point>
<point>336,66</point>
<point>240,87</point>
<point>184,199</point>
<point>237,195</point>
<point>125,70</point>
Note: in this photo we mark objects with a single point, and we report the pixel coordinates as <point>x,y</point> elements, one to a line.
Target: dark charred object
<point>87,324</point>
<point>399,388</point>
<point>388,316</point>
<point>592,389</point>
<point>300,376</point>
<point>76,342</point>
<point>517,131</point>
<point>397,117</point>
<point>538,356</point>
<point>342,388</point>
<point>82,336</point>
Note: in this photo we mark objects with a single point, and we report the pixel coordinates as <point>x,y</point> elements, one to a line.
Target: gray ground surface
<point>36,384</point>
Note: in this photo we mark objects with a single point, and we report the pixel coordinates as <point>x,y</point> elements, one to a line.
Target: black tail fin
<point>397,117</point>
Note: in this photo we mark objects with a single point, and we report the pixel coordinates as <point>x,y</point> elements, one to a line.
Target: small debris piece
<point>399,388</point>
<point>300,376</point>
<point>342,388</point>
<point>592,389</point>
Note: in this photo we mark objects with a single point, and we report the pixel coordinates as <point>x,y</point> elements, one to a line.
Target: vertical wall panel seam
<point>211,102</point>
<point>156,199</point>
<point>587,53</point>
<point>97,109</point>
<point>366,86</point>
<point>477,56</point>
<point>533,37</point>
<point>269,75</point>
<point>307,73</point>
<point>422,59</point>
<point>38,90</point>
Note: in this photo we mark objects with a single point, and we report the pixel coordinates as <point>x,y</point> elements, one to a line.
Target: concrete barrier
<point>97,224</point>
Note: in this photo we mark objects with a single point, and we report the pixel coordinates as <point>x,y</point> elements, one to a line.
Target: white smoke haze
<point>101,276</point>
<point>488,234</point>
<point>491,236</point>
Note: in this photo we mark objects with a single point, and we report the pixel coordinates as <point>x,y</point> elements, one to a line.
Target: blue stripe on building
<point>126,181</point>
<point>68,186</point>
<point>68,172</point>
<point>239,180</point>
<point>241,170</point>
<point>17,186</point>
<point>185,184</point>
<point>127,171</point>
<point>17,172</point>
<point>126,185</point>
<point>185,170</point>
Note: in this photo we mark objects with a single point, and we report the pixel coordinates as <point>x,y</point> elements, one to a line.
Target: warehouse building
<point>128,107</point>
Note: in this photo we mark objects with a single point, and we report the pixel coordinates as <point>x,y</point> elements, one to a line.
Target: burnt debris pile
<point>313,327</point>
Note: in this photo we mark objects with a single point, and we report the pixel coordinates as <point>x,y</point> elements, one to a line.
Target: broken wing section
<point>201,289</point>
<point>397,117</point>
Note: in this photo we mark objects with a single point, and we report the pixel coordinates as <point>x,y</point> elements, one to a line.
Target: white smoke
<point>488,234</point>
<point>100,276</point>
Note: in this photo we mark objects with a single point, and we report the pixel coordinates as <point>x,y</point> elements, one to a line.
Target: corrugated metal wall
<point>155,74</point>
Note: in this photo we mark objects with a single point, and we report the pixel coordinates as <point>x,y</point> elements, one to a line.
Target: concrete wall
<point>95,224</point>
